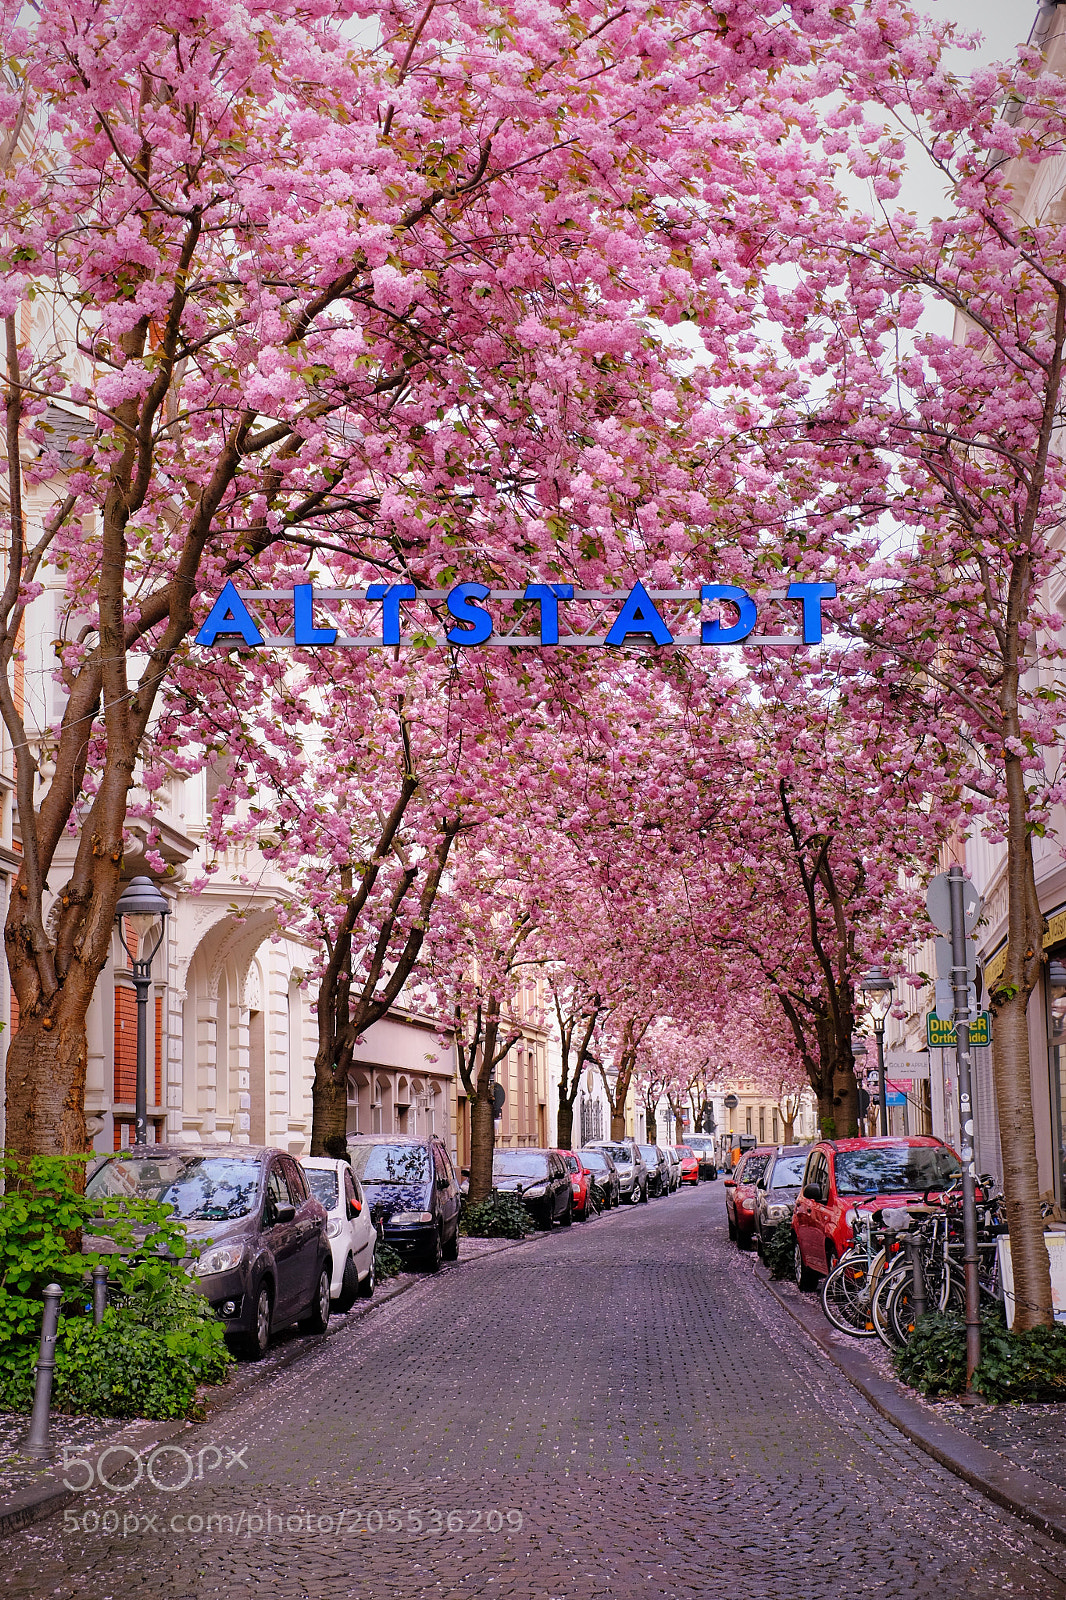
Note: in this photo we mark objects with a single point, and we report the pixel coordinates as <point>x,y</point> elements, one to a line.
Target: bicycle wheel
<point>879,1300</point>
<point>846,1297</point>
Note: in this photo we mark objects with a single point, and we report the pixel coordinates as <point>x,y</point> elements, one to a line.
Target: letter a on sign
<point>638,615</point>
<point>230,617</point>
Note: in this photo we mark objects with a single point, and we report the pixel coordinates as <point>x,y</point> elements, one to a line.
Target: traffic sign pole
<point>957,885</point>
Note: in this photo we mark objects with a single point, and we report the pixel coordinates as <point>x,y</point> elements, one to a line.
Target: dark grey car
<point>604,1175</point>
<point>413,1192</point>
<point>658,1170</point>
<point>776,1191</point>
<point>542,1180</point>
<point>264,1258</point>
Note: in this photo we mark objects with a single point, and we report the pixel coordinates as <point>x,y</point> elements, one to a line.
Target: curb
<point>37,1501</point>
<point>1011,1487</point>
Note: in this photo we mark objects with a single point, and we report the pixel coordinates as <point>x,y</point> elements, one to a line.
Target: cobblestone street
<point>617,1411</point>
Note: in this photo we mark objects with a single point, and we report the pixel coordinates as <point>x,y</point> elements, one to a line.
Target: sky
<point>1004,23</point>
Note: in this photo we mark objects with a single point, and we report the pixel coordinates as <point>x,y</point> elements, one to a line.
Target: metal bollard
<point>917,1278</point>
<point>99,1292</point>
<point>37,1443</point>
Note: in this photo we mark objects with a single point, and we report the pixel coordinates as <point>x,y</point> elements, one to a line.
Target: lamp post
<point>140,905</point>
<point>876,992</point>
<point>858,1052</point>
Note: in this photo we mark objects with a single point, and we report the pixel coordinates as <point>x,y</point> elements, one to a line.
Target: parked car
<point>776,1192</point>
<point>690,1164</point>
<point>604,1175</point>
<point>580,1182</point>
<point>674,1163</point>
<point>349,1228</point>
<point>703,1148</point>
<point>658,1169</point>
<point>265,1260</point>
<point>740,1194</point>
<point>842,1176</point>
<point>629,1164</point>
<point>542,1180</point>
<point>414,1192</point>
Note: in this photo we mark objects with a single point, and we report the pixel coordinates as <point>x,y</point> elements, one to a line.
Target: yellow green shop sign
<point>940,1031</point>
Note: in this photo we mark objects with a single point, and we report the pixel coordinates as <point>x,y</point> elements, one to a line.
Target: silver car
<point>629,1163</point>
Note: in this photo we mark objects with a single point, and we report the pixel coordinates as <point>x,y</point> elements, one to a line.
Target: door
<point>279,1231</point>
<point>447,1190</point>
<point>308,1253</point>
<point>801,1215</point>
<point>363,1236</point>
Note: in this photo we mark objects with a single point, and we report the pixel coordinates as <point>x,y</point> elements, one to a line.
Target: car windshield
<point>684,1152</point>
<point>390,1163</point>
<point>700,1144</point>
<point>650,1154</point>
<point>754,1168</point>
<point>619,1152</point>
<point>895,1169</point>
<point>323,1185</point>
<point>594,1158</point>
<point>200,1188</point>
<point>788,1171</point>
<point>573,1163</point>
<point>519,1164</point>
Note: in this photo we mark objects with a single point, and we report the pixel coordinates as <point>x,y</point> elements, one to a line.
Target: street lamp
<point>858,1052</point>
<point>140,905</point>
<point>876,992</point>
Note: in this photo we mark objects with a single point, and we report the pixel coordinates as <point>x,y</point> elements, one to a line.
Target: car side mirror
<point>354,1207</point>
<point>284,1213</point>
<point>811,1191</point>
<point>442,1180</point>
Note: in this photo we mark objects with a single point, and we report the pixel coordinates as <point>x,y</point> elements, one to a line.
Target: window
<point>748,1117</point>
<point>277,1191</point>
<point>296,1182</point>
<point>762,1124</point>
<point>200,1188</point>
<point>352,1196</point>
<point>775,1140</point>
<point>323,1182</point>
<point>391,1163</point>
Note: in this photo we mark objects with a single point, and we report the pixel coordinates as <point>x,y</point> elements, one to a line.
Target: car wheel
<point>568,1215</point>
<point>434,1253</point>
<point>451,1250</point>
<point>254,1345</point>
<point>349,1286</point>
<point>801,1272</point>
<point>368,1284</point>
<point>317,1318</point>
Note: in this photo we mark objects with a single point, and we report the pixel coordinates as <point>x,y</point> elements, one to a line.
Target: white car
<point>350,1231</point>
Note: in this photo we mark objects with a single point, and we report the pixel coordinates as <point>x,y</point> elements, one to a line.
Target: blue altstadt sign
<point>655,616</point>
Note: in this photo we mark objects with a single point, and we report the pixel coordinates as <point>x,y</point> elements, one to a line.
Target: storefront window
<point>1057,1061</point>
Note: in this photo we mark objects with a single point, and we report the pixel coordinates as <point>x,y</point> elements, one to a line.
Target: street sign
<point>942,950</point>
<point>944,997</point>
<point>941,1035</point>
<point>938,903</point>
<point>907,1064</point>
<point>731,1102</point>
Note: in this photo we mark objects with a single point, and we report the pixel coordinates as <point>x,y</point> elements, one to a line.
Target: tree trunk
<point>789,1128</point>
<point>46,1086</point>
<point>330,1124</point>
<point>618,1124</point>
<point>827,1119</point>
<point>482,1143</point>
<point>652,1125</point>
<point>1021,1186</point>
<point>565,1128</point>
<point>679,1130</point>
<point>845,1100</point>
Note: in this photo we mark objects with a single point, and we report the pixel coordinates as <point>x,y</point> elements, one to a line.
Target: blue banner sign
<point>561,614</point>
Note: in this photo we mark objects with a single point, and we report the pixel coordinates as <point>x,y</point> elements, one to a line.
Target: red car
<point>843,1176</point>
<point>580,1177</point>
<point>740,1193</point>
<point>690,1164</point>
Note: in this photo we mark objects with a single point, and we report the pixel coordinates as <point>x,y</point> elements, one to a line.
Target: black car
<point>776,1192</point>
<point>264,1258</point>
<point>658,1169</point>
<point>413,1192</point>
<point>604,1175</point>
<point>541,1178</point>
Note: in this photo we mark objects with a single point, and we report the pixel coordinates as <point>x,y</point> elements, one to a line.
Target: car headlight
<point>778,1213</point>
<point>411,1216</point>
<point>536,1189</point>
<point>333,1227</point>
<point>220,1258</point>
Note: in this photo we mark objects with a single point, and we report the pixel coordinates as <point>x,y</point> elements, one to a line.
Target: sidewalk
<point>31,1490</point>
<point>1012,1453</point>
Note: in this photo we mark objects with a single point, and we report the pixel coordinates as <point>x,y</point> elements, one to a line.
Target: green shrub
<point>1013,1366</point>
<point>779,1252</point>
<point>501,1216</point>
<point>387,1261</point>
<point>159,1339</point>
